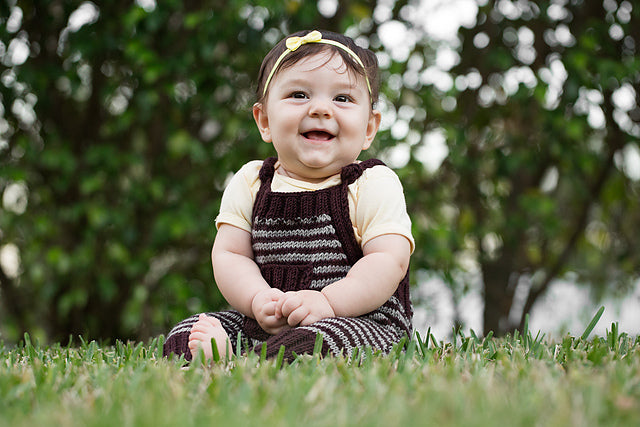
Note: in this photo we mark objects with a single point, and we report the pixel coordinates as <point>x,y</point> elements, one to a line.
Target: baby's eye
<point>298,95</point>
<point>343,98</point>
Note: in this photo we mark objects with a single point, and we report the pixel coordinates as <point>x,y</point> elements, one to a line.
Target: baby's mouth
<point>318,135</point>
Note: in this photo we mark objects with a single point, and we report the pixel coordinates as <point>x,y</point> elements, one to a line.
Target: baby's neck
<point>313,180</point>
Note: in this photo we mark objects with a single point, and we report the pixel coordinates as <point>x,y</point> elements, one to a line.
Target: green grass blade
<point>317,347</point>
<point>355,355</point>
<point>434,341</point>
<point>214,350</point>
<point>280,358</point>
<point>263,352</point>
<point>239,346</point>
<point>592,324</point>
<point>160,347</point>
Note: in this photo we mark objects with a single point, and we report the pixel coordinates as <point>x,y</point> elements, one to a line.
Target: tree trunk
<point>499,287</point>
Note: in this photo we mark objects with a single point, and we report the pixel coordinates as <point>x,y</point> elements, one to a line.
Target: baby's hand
<point>264,311</point>
<point>303,308</point>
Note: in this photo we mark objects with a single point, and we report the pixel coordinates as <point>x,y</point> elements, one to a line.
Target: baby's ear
<point>262,121</point>
<point>372,128</point>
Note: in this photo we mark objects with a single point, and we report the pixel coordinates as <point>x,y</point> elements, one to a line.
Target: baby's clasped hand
<point>263,307</point>
<point>302,308</point>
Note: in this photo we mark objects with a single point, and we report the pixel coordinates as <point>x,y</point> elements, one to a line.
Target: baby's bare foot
<point>201,333</point>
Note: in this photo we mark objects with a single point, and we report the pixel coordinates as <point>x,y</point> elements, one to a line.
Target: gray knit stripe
<point>327,274</point>
<point>352,330</point>
<point>297,244</point>
<point>346,334</point>
<point>327,338</point>
<point>357,328</point>
<point>368,327</point>
<point>295,257</point>
<point>320,284</point>
<point>184,326</point>
<point>377,339</point>
<point>395,314</point>
<point>266,234</point>
<point>272,222</point>
<point>332,330</point>
<point>342,270</point>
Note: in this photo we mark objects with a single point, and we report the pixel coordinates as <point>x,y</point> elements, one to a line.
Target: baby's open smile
<point>318,135</point>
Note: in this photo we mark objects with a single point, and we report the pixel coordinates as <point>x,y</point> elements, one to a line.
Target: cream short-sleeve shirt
<point>376,200</point>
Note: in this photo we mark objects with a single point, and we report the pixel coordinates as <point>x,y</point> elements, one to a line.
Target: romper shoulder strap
<point>267,170</point>
<point>353,171</point>
<point>265,175</point>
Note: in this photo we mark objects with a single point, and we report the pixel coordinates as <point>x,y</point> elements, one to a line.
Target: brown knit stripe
<point>295,340</point>
<point>302,204</point>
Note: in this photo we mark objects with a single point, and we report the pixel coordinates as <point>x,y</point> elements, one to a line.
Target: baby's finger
<point>271,321</point>
<point>282,299</point>
<point>291,304</point>
<point>269,309</point>
<point>308,320</point>
<point>277,312</point>
<point>297,316</point>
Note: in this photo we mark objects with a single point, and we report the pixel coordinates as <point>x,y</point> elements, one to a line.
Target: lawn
<point>519,380</point>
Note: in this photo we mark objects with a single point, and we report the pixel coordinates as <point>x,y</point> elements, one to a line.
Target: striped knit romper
<point>305,240</point>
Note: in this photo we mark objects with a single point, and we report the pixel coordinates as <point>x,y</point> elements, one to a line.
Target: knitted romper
<point>305,240</point>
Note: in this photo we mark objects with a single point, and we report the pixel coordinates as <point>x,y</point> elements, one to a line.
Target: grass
<point>519,380</point>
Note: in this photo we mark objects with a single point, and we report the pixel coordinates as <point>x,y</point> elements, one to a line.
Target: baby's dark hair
<point>368,58</point>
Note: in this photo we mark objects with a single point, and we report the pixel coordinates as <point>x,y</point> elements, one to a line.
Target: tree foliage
<point>120,125</point>
<point>542,126</point>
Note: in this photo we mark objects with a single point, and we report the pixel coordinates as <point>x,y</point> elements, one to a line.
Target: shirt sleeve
<point>237,201</point>
<point>380,207</point>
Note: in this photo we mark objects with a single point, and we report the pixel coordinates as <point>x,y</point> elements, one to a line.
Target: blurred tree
<point>121,122</point>
<point>541,180</point>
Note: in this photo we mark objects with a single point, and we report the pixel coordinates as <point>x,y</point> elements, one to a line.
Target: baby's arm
<point>373,279</point>
<point>368,285</point>
<point>239,279</point>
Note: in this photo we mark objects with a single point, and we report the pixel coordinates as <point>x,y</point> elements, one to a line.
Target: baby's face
<point>318,117</point>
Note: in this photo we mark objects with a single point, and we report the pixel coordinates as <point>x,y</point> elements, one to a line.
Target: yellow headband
<point>314,36</point>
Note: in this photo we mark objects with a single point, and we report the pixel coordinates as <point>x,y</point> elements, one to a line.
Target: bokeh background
<point>514,126</point>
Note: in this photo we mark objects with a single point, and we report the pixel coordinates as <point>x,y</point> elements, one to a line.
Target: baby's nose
<point>320,107</point>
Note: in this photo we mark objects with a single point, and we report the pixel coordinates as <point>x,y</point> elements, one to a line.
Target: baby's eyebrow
<point>296,82</point>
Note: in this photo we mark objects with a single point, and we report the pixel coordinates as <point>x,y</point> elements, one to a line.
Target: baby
<point>312,241</point>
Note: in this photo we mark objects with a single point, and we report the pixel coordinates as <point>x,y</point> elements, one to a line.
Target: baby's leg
<point>203,330</point>
<point>341,335</point>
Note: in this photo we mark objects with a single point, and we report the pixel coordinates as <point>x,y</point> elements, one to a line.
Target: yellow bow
<point>294,43</point>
